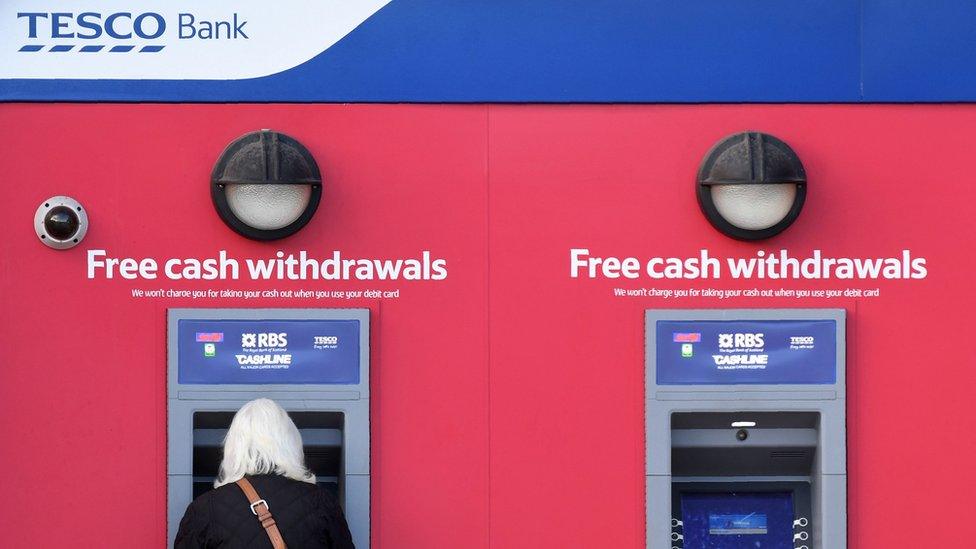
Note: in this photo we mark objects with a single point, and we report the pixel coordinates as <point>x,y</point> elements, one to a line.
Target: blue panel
<point>574,51</point>
<point>577,51</point>
<point>774,352</point>
<point>737,521</point>
<point>268,351</point>
<point>547,51</point>
<point>919,50</point>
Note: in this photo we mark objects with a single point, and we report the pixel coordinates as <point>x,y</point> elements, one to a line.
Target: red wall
<point>508,399</point>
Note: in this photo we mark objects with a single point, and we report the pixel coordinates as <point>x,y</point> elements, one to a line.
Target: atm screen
<point>734,520</point>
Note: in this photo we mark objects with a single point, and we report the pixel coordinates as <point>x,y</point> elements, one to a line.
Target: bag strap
<point>261,510</point>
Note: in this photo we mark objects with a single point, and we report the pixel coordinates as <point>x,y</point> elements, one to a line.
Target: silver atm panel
<point>332,417</point>
<point>784,464</point>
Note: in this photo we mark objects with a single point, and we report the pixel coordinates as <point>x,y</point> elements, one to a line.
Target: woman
<point>264,448</point>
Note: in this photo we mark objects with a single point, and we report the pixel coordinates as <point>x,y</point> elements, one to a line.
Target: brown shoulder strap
<point>260,509</point>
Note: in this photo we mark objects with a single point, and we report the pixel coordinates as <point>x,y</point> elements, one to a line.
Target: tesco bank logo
<point>94,32</point>
<point>170,39</point>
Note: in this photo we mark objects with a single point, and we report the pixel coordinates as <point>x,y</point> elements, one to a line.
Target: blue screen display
<point>767,352</point>
<point>732,520</point>
<point>269,351</point>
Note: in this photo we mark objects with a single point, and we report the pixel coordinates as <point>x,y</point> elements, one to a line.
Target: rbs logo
<point>264,341</point>
<point>740,341</point>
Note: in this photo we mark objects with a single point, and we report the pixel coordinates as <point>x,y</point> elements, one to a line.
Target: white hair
<point>262,439</point>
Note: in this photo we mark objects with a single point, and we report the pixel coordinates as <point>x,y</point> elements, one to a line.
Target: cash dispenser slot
<point>322,435</point>
<point>705,444</point>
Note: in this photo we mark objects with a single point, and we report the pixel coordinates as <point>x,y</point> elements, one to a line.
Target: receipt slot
<point>745,429</point>
<point>313,362</point>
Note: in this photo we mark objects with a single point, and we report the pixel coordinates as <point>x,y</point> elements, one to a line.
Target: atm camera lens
<point>741,434</point>
<point>61,223</point>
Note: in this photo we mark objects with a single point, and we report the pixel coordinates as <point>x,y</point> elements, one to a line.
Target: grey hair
<point>262,439</point>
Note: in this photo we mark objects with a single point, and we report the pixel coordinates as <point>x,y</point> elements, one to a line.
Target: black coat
<point>306,515</point>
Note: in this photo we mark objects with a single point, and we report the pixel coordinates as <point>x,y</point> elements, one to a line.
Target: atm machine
<point>313,362</point>
<point>746,429</point>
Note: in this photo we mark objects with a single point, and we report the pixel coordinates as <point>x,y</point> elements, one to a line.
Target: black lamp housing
<point>265,157</point>
<point>750,158</point>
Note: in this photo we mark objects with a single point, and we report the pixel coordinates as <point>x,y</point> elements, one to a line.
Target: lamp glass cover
<point>268,206</point>
<point>756,206</point>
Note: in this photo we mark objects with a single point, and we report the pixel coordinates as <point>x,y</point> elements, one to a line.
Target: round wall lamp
<point>60,222</point>
<point>266,185</point>
<point>751,186</point>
